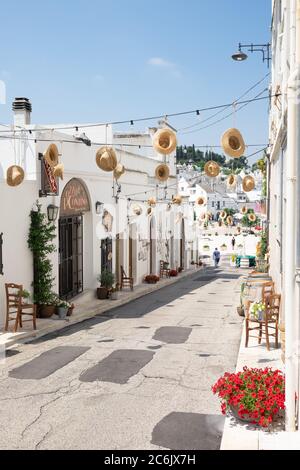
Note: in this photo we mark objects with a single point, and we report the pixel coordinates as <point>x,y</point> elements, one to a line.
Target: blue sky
<point>95,60</point>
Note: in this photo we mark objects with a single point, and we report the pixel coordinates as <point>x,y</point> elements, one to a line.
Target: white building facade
<point>96,227</point>
<point>284,186</point>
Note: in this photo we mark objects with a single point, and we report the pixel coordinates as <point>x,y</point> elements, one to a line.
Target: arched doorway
<point>74,203</point>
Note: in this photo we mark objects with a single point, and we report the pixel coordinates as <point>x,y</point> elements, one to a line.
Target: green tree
<point>41,235</point>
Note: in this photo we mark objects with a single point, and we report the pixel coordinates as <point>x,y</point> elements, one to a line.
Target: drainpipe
<point>297,138</point>
<point>290,238</point>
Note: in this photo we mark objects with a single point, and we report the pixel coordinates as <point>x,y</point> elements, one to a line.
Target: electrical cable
<point>222,110</point>
<point>225,117</point>
<point>150,118</point>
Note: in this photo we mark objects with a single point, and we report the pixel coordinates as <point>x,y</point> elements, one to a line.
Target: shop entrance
<point>74,203</point>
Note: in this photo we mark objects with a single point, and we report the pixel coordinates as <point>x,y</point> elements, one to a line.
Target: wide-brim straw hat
<point>106,159</point>
<point>244,210</point>
<point>223,215</point>
<point>137,209</point>
<point>212,169</point>
<point>201,201</point>
<point>177,200</point>
<point>162,172</point>
<point>149,211</point>
<point>14,175</point>
<point>232,181</point>
<point>58,171</point>
<point>165,141</point>
<point>229,220</point>
<point>179,217</point>
<point>252,217</point>
<point>152,201</point>
<point>233,143</point>
<point>248,183</point>
<point>51,155</point>
<point>119,171</point>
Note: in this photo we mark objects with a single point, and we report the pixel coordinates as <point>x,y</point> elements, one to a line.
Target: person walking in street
<point>216,257</point>
<point>233,243</point>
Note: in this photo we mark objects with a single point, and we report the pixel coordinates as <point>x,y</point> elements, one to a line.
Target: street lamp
<point>264,48</point>
<point>52,212</point>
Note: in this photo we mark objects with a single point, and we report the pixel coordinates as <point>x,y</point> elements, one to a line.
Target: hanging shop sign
<point>49,183</point>
<point>74,199</point>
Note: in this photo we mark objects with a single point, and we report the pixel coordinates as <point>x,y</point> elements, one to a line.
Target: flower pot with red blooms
<point>255,396</point>
<point>173,273</point>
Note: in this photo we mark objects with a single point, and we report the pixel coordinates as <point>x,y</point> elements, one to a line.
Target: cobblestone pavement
<point>138,377</point>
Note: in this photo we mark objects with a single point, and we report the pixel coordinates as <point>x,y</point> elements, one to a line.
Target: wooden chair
<point>164,271</point>
<point>15,308</point>
<point>126,281</point>
<point>269,322</point>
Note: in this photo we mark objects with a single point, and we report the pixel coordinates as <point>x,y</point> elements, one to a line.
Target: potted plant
<point>106,279</point>
<point>40,238</point>
<point>151,279</point>
<point>70,310</point>
<point>253,395</point>
<point>62,307</point>
<point>173,273</point>
<point>180,269</point>
<point>114,293</point>
<point>25,296</point>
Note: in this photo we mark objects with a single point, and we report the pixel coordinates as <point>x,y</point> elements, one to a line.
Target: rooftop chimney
<point>22,111</point>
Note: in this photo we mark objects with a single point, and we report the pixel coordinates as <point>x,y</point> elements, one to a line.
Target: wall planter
<point>114,295</point>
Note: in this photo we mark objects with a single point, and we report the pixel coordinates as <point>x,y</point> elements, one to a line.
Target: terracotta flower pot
<point>46,311</point>
<point>102,293</point>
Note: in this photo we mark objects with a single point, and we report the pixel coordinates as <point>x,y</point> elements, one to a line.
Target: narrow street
<point>138,377</point>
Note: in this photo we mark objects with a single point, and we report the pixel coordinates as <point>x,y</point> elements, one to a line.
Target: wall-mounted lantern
<point>52,212</point>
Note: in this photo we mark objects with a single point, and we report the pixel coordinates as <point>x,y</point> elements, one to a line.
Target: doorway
<point>106,255</point>
<point>70,256</point>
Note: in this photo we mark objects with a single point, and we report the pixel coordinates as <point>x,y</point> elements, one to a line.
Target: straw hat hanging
<point>223,215</point>
<point>162,172</point>
<point>179,218</point>
<point>58,171</point>
<point>232,181</point>
<point>203,217</point>
<point>51,155</point>
<point>119,171</point>
<point>151,201</point>
<point>165,141</point>
<point>244,210</point>
<point>106,159</point>
<point>229,220</point>
<point>177,200</point>
<point>233,143</point>
<point>149,211</point>
<point>248,183</point>
<point>201,201</point>
<point>137,209</point>
<point>14,175</point>
<point>252,217</point>
<point>212,169</point>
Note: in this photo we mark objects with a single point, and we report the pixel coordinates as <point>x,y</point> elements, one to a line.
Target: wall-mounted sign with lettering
<point>74,199</point>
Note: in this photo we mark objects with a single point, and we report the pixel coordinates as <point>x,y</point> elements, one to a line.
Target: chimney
<point>22,111</point>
